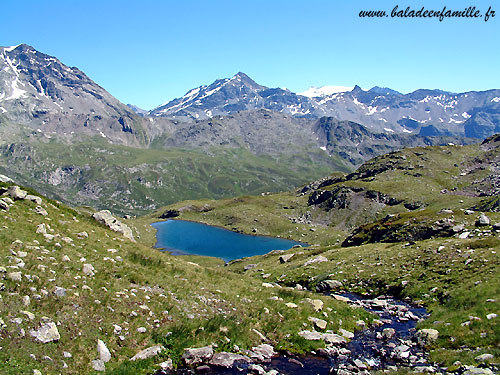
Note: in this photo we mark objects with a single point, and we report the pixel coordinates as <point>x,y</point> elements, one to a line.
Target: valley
<point>397,196</point>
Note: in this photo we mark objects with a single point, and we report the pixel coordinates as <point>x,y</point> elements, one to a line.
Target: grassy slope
<point>453,277</point>
<point>130,180</point>
<point>195,303</point>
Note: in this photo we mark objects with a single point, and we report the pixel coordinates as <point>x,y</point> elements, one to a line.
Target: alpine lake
<point>181,237</point>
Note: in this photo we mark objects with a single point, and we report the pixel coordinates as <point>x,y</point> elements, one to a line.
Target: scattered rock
<point>471,370</point>
<point>16,193</point>
<point>257,369</point>
<point>46,333</point>
<point>34,198</point>
<point>491,316</point>
<point>334,339</point>
<point>193,356</point>
<point>60,292</point>
<point>318,323</point>
<point>317,304</point>
<point>167,365</point>
<point>482,220</point>
<point>98,365</point>
<point>88,269</point>
<point>319,259</point>
<point>343,299</point>
<point>41,211</point>
<point>103,351</point>
<point>148,353</point>
<point>484,357</point>
<point>4,205</point>
<point>388,333</point>
<point>311,335</point>
<point>264,351</point>
<point>426,336</point>
<point>105,217</point>
<point>227,360</point>
<point>285,257</point>
<point>346,334</point>
<point>5,179</point>
<point>82,235</point>
<point>328,285</point>
<point>15,276</point>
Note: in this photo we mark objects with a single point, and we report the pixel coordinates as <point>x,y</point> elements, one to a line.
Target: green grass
<point>195,304</point>
<point>432,272</point>
<point>129,180</point>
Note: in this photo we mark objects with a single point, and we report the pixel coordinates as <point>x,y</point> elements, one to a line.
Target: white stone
<point>46,333</point>
<point>148,353</point>
<point>102,349</point>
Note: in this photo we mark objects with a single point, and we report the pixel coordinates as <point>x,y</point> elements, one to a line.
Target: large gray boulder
<point>426,336</point>
<point>105,217</point>
<point>328,285</point>
<point>5,179</point>
<point>193,356</point>
<point>15,192</point>
<point>227,360</point>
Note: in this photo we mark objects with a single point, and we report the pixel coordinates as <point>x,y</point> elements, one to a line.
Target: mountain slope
<point>421,224</point>
<point>39,91</point>
<point>72,289</point>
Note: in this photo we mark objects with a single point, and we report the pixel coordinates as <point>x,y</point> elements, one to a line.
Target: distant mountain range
<point>248,137</point>
<point>423,112</point>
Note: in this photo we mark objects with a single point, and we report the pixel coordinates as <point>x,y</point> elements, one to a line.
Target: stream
<point>390,344</point>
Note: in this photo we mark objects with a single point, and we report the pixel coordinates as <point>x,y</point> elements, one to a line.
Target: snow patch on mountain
<point>315,92</point>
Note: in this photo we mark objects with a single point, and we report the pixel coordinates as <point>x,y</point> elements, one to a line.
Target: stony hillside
<point>421,224</point>
<point>77,297</point>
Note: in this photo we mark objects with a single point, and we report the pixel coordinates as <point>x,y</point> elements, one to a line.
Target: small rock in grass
<point>484,357</point>
<point>102,349</point>
<point>88,269</point>
<point>426,336</point>
<point>41,211</point>
<point>482,220</point>
<point>148,353</point>
<point>46,333</point>
<point>98,365</point>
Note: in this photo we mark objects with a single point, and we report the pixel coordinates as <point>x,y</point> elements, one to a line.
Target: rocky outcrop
<point>397,229</point>
<point>105,218</point>
<point>341,197</point>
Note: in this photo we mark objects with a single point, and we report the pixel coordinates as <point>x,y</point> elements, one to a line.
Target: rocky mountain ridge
<point>51,98</point>
<point>383,110</point>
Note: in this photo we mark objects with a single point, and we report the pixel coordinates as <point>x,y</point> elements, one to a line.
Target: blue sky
<point>147,52</point>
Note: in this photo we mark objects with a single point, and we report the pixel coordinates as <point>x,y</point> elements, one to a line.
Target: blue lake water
<point>182,237</point>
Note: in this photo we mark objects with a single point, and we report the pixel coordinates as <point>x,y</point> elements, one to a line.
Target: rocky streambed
<point>392,342</point>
